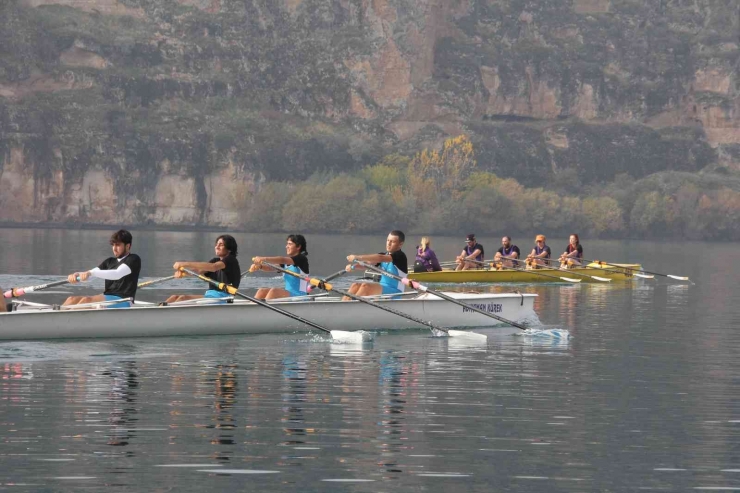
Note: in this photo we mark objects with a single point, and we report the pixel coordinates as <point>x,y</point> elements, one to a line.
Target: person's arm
<point>434,261</point>
<point>475,253</point>
<point>371,258</point>
<point>541,255</point>
<point>199,267</point>
<point>257,263</point>
<point>109,275</point>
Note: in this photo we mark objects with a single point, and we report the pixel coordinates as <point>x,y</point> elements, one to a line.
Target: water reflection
<point>393,379</point>
<point>122,395</point>
<point>293,397</point>
<point>643,397</point>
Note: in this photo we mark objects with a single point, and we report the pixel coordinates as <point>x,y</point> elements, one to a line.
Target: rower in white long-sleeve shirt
<point>120,272</point>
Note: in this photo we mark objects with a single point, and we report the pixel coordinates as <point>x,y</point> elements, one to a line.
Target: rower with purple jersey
<point>120,272</point>
<point>472,251</point>
<point>508,255</point>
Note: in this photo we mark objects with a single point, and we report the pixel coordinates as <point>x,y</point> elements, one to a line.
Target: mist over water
<point>642,397</point>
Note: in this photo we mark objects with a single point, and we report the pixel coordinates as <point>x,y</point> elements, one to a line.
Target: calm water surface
<point>641,398</point>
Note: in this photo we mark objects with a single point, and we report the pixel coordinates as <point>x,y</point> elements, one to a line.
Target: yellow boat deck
<point>618,272</point>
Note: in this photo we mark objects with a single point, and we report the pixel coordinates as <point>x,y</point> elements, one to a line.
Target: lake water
<point>641,398</point>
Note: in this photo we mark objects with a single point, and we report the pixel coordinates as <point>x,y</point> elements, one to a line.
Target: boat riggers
<point>419,287</point>
<point>597,278</point>
<point>322,284</point>
<point>534,271</point>
<point>338,335</point>
<point>641,272</point>
<point>559,333</point>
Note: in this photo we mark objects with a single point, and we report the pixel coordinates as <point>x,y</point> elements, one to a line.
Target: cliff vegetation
<point>620,117</point>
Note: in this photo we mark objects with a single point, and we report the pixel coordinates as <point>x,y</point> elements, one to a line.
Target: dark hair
<point>578,240</point>
<point>121,236</point>
<point>299,240</point>
<point>229,243</point>
<point>401,236</point>
<point>507,237</point>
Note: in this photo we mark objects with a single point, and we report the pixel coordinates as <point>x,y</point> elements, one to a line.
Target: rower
<point>121,274</point>
<point>540,254</point>
<point>573,255</point>
<point>296,261</point>
<point>472,251</point>
<point>392,260</point>
<point>507,256</point>
<point>223,268</point>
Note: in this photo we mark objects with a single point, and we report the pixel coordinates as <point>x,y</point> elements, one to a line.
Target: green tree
<point>602,215</point>
<point>334,207</point>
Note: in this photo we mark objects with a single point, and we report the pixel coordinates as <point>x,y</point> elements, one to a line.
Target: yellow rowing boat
<point>616,272</point>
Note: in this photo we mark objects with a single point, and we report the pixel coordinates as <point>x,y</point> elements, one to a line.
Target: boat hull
<point>526,276</point>
<point>249,318</point>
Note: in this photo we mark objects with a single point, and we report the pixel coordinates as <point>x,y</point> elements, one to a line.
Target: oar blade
<point>602,279</point>
<point>644,276</point>
<point>678,278</point>
<point>561,334</point>
<point>467,335</point>
<point>347,337</point>
<point>570,279</point>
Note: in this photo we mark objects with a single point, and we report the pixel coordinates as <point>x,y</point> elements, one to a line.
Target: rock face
<point>172,112</point>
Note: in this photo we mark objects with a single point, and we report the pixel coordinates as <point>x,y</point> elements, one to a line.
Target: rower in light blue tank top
<point>294,285</point>
<point>390,285</point>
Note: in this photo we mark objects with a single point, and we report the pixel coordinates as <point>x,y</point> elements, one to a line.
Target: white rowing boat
<point>243,317</point>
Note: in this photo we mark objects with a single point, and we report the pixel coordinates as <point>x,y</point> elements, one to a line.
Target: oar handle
<point>419,287</point>
<point>324,285</point>
<point>17,292</point>
<point>234,292</point>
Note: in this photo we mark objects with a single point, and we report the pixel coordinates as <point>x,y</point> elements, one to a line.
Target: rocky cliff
<point>172,112</point>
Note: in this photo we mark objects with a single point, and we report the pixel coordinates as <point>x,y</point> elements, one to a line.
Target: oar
<point>338,335</point>
<point>566,279</point>
<point>418,287</point>
<point>16,292</point>
<point>322,284</point>
<point>154,281</point>
<point>639,272</point>
<point>600,279</point>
